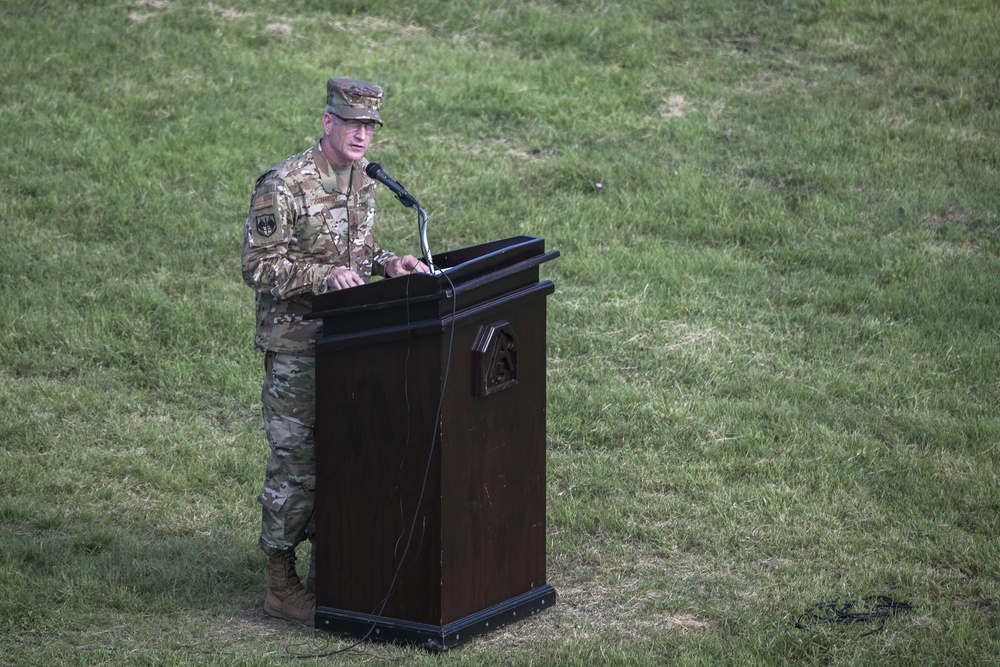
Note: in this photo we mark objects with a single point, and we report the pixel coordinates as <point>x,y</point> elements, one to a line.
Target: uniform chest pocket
<point>366,219</point>
<point>326,230</point>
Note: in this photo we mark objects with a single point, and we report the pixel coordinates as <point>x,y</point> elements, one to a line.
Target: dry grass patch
<point>616,612</point>
<point>675,106</point>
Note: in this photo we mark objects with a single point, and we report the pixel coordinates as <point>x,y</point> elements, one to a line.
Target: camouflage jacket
<point>301,224</point>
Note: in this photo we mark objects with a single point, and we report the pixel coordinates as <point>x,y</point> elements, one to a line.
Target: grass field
<point>774,345</point>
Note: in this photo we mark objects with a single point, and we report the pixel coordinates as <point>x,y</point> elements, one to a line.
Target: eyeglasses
<point>369,126</point>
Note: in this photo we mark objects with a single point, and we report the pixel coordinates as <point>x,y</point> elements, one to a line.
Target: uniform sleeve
<point>269,261</point>
<point>381,260</point>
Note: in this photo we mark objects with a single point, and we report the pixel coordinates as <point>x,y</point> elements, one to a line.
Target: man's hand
<point>404,265</point>
<point>339,279</point>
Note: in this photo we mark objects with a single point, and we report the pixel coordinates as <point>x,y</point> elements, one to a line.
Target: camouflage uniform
<point>288,407</point>
<point>304,220</point>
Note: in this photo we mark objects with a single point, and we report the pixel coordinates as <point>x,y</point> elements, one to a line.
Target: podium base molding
<point>435,637</point>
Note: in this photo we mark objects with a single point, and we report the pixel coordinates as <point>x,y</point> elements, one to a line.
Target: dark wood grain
<point>470,482</point>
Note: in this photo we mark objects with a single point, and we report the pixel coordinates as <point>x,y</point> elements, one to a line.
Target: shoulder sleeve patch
<point>265,224</point>
<point>263,201</point>
<point>263,213</point>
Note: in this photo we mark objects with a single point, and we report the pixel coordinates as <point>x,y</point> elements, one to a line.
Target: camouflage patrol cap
<point>352,99</point>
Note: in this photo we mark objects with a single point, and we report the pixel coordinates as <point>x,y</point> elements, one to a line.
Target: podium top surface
<point>460,271</point>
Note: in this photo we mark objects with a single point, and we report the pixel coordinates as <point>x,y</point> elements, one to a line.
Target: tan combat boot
<point>286,598</point>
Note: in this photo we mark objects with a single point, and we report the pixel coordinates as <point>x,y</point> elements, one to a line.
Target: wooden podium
<point>430,449</point>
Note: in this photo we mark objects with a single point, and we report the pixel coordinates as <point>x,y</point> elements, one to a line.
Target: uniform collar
<point>329,177</point>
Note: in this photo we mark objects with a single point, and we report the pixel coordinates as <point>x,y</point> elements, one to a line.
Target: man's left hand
<point>402,266</point>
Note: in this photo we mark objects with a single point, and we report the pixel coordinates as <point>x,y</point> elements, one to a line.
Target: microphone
<point>374,170</point>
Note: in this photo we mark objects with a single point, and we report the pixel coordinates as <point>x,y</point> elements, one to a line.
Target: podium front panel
<point>430,452</point>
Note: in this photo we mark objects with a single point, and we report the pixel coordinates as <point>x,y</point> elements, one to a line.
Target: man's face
<point>346,141</point>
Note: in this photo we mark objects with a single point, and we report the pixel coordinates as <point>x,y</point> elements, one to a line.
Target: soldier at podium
<point>310,230</point>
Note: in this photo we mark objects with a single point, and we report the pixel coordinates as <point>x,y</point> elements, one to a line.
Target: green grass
<point>774,346</point>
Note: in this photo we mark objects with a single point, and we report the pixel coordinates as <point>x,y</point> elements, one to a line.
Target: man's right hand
<point>338,279</point>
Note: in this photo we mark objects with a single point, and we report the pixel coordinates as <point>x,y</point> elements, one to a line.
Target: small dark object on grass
<point>871,608</point>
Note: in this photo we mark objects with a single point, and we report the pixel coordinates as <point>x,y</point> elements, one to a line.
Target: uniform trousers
<point>289,411</point>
